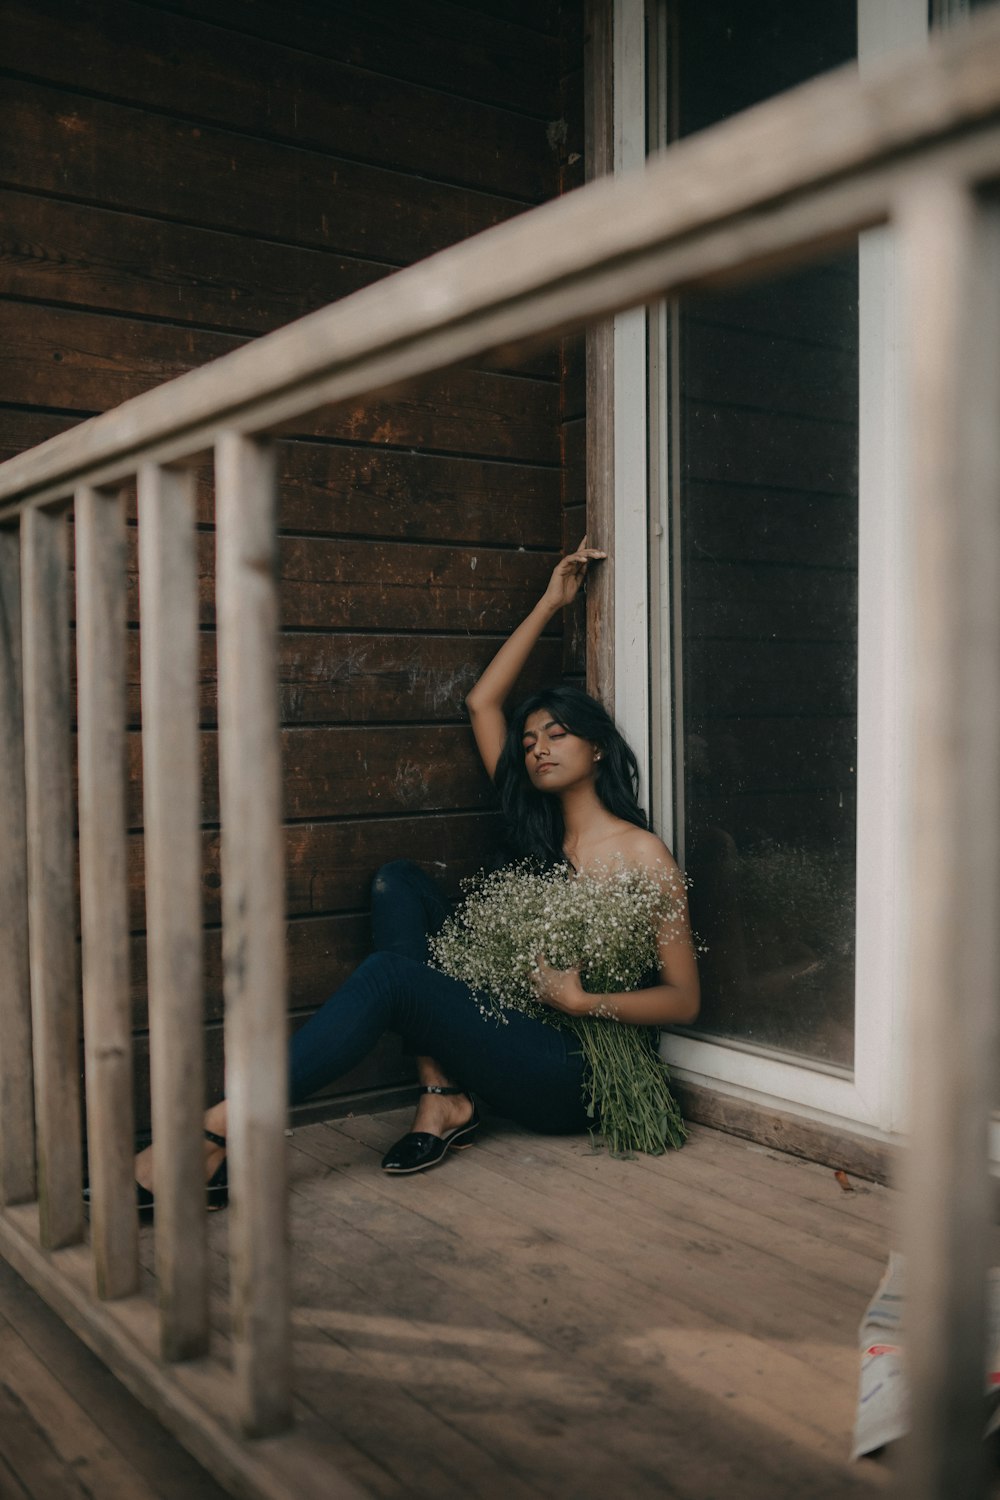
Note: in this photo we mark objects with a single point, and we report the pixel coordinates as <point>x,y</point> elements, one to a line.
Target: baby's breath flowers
<point>606,923</point>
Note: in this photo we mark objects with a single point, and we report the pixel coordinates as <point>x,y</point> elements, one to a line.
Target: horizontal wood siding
<point>178,178</point>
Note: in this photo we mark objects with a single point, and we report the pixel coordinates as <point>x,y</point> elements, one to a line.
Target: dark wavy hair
<point>534,819</point>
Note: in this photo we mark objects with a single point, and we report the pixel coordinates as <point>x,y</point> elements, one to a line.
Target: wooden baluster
<point>17,1112</point>
<point>253,892</point>
<point>52,912</point>
<point>107,1020</point>
<point>171,771</point>
<point>950,246</point>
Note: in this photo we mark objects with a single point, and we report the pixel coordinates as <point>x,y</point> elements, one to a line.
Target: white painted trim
<point>629,44</point>
<point>631,541</point>
<point>889,27</point>
<point>662,593</point>
<point>630,479</point>
<point>836,1116</point>
<point>666,708</point>
<point>885,27</point>
<point>882,832</point>
<point>790,1085</point>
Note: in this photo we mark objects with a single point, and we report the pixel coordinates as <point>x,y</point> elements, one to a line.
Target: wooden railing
<point>917,147</point>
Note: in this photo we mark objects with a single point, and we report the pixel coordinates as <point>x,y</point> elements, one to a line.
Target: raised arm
<point>486,700</point>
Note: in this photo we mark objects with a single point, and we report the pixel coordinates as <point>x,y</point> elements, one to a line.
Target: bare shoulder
<point>641,847</point>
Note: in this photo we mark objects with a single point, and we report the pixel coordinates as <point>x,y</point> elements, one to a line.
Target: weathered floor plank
<point>592,1326</point>
<point>534,1319</point>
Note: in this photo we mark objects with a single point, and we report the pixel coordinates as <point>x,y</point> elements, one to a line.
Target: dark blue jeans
<point>525,1069</point>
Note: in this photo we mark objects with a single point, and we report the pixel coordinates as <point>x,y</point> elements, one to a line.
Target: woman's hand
<point>560,988</point>
<point>486,699</point>
<point>569,574</point>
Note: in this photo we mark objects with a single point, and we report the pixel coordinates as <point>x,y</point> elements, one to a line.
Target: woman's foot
<point>216,1177</point>
<point>446,1117</point>
<point>215,1155</point>
<point>439,1113</point>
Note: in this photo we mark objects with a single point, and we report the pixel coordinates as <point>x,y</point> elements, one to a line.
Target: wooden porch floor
<point>531,1319</point>
<point>536,1319</point>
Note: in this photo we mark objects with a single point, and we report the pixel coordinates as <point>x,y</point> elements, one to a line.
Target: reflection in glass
<point>768,431</point>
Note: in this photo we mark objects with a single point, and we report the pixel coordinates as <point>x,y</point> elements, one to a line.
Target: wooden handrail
<point>812,165</point>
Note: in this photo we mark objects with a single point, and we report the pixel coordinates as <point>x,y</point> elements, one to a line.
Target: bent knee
<point>393,874</point>
<point>387,966</point>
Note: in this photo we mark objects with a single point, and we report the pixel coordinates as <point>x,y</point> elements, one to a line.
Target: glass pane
<point>768,450</point>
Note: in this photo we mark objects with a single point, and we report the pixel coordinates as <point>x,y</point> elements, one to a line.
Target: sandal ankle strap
<point>436,1088</point>
<point>217,1140</point>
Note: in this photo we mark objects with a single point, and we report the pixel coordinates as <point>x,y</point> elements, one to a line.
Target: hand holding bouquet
<point>523,929</point>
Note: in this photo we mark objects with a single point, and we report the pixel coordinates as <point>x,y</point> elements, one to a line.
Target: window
<point>764,426</point>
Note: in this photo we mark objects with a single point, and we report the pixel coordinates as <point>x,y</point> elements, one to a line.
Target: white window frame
<point>631,505</point>
<point>872,1099</point>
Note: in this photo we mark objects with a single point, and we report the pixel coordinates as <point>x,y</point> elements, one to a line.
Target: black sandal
<point>216,1188</point>
<point>418,1150</point>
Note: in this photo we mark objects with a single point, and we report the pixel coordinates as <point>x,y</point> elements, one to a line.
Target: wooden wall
<point>180,177</point>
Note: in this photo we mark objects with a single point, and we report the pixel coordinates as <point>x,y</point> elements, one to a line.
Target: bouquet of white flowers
<point>604,923</point>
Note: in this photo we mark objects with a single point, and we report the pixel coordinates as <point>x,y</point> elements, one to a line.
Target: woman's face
<point>554,758</point>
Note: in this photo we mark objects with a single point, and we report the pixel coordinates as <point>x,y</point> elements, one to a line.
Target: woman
<point>567,783</point>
